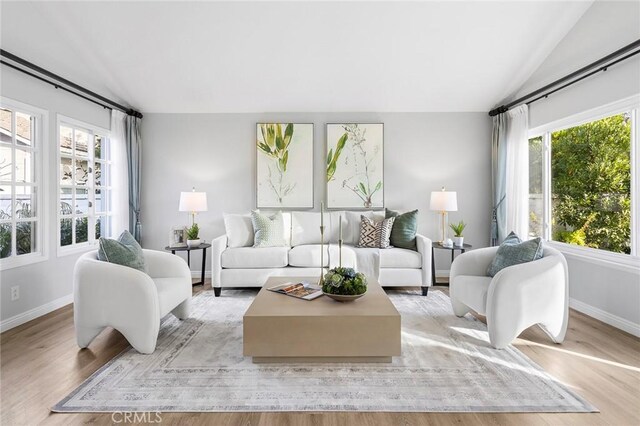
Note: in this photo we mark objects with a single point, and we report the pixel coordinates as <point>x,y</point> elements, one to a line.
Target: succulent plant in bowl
<point>458,228</point>
<point>193,235</point>
<point>344,284</point>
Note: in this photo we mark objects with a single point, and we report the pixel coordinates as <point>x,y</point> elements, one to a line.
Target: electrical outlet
<point>15,293</point>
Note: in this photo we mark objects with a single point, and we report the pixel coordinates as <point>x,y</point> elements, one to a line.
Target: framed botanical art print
<point>355,166</point>
<point>284,165</point>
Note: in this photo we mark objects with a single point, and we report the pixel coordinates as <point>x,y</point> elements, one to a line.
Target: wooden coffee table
<point>279,328</point>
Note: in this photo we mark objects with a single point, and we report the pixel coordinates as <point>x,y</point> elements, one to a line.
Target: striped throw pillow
<point>268,230</point>
<point>375,234</point>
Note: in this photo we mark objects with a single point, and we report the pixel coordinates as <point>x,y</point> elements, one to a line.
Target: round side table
<point>203,247</point>
<point>453,249</point>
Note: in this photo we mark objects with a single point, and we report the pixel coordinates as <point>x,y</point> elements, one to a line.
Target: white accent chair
<point>516,298</point>
<point>110,295</point>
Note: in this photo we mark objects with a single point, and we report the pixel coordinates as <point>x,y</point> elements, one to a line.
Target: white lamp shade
<point>193,202</point>
<point>444,201</point>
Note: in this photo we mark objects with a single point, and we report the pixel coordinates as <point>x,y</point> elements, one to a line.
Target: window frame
<point>40,152</point>
<point>90,244</point>
<point>631,105</point>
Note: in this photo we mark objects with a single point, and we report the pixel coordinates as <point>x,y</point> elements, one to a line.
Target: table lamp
<point>193,202</point>
<point>444,201</point>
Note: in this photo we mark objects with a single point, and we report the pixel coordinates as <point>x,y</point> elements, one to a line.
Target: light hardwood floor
<point>41,364</point>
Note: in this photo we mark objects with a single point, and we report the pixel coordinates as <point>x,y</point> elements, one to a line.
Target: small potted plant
<point>458,238</point>
<point>344,284</point>
<point>193,235</point>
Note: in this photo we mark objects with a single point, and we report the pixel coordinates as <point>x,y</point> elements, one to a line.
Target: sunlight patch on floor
<point>417,340</point>
<point>578,354</point>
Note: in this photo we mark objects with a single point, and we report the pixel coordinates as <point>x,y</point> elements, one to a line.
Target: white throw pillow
<point>239,230</point>
<point>286,219</point>
<point>268,230</point>
<point>305,227</point>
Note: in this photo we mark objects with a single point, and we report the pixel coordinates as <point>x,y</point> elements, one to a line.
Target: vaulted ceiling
<point>292,56</point>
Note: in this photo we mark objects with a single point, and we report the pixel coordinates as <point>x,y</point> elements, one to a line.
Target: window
<point>21,203</point>
<point>581,174</point>
<point>536,201</point>
<point>84,184</point>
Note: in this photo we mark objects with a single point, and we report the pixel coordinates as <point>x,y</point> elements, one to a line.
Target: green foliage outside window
<point>24,240</point>
<point>591,184</point>
<point>5,240</point>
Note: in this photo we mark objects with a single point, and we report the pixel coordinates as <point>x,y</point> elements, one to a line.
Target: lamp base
<point>443,227</point>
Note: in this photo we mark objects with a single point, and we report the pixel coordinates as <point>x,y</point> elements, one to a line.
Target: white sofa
<point>235,263</point>
<point>516,298</point>
<point>131,301</point>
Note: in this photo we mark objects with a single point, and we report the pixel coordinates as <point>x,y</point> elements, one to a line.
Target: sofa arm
<point>107,294</point>
<point>218,245</point>
<point>530,293</point>
<point>165,265</point>
<point>475,262</point>
<point>424,246</point>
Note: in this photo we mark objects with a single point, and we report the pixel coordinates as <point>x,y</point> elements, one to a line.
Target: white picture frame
<point>178,236</point>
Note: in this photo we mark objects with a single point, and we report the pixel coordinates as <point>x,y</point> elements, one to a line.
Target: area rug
<point>447,365</point>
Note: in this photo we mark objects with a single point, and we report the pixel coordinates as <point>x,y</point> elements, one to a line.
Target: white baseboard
<point>197,274</point>
<point>34,313</point>
<point>442,273</point>
<point>606,317</point>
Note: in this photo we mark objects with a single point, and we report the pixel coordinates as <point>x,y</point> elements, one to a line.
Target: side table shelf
<point>453,249</point>
<point>203,247</point>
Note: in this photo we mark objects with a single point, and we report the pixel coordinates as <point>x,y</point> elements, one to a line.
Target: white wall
<point>46,285</point>
<point>604,28</point>
<point>609,293</point>
<point>216,153</point>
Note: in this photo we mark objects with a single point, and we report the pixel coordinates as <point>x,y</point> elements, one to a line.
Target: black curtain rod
<point>61,82</point>
<point>601,64</point>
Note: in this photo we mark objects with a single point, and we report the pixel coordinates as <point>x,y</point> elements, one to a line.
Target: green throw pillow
<point>124,251</point>
<point>405,227</point>
<point>268,231</point>
<point>513,251</point>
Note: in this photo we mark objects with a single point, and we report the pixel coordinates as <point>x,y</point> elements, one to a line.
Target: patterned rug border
<point>587,407</point>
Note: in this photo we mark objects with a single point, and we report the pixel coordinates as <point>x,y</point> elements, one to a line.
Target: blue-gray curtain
<point>498,178</point>
<point>134,152</point>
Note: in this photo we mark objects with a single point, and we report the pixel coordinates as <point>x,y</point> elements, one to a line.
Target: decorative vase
<point>458,241</point>
<point>194,243</point>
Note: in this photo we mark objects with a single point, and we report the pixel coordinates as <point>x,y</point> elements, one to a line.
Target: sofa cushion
<point>239,230</point>
<point>249,257</point>
<point>405,227</point>
<point>305,227</point>
<point>308,256</point>
<point>124,251</point>
<point>472,291</point>
<point>375,234</point>
<point>351,224</point>
<point>400,258</point>
<point>514,252</point>
<point>268,230</point>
